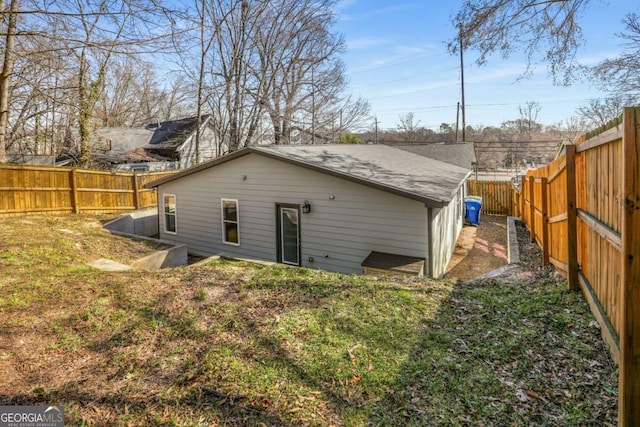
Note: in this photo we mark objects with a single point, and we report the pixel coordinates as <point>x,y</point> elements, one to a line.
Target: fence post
<point>572,231</point>
<point>532,208</point>
<point>74,191</point>
<point>545,222</point>
<point>136,191</point>
<point>629,373</point>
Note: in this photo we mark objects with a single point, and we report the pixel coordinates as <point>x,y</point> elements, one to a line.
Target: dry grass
<point>235,344</point>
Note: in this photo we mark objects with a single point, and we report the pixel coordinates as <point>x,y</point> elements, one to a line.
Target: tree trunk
<point>5,79</point>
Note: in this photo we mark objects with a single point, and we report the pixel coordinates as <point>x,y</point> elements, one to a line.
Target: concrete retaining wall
<point>140,223</point>
<point>513,252</point>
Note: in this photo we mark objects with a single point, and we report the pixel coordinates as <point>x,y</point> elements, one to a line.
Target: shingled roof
<point>458,153</point>
<point>379,166</point>
<point>156,139</point>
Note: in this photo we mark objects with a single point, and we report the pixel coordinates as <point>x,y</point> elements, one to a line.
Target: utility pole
<point>464,125</point>
<point>457,120</point>
<point>376,127</point>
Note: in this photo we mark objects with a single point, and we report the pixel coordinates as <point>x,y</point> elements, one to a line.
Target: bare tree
<point>408,126</point>
<point>299,58</point>
<point>529,115</point>
<point>621,75</point>
<point>599,112</point>
<point>410,130</point>
<point>5,76</point>
<point>529,26</point>
<point>232,84</point>
<point>86,34</point>
<point>133,96</point>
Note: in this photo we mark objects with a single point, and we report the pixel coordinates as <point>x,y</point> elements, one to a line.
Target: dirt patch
<point>531,270</point>
<point>487,252</point>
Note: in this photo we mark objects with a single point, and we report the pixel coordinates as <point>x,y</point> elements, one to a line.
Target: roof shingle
<point>389,169</point>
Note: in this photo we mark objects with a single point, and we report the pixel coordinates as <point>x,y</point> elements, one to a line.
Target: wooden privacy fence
<point>584,211</point>
<point>498,197</point>
<point>27,189</point>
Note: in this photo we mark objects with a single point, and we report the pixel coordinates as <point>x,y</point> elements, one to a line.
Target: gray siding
<point>338,233</point>
<point>209,148</point>
<point>447,224</point>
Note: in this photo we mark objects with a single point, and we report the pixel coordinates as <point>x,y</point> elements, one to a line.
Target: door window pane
<point>289,236</point>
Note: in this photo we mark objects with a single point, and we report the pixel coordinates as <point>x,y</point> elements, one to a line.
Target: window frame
<point>236,222</point>
<point>175,213</point>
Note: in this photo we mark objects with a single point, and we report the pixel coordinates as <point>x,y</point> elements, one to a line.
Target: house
<point>329,207</point>
<point>158,146</point>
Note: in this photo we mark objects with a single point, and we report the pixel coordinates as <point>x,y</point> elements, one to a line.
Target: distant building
<point>164,145</point>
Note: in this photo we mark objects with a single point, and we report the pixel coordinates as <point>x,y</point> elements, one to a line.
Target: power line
<point>403,79</point>
<point>393,64</point>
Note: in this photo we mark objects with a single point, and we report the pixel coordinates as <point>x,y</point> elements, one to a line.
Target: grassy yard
<point>229,343</point>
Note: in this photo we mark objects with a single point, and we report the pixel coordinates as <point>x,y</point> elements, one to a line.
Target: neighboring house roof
<point>30,159</point>
<point>159,139</point>
<point>172,134</point>
<point>120,139</point>
<point>457,153</point>
<point>378,166</point>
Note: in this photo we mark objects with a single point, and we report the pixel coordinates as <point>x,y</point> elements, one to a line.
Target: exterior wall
<point>338,234</point>
<point>447,224</point>
<point>209,148</point>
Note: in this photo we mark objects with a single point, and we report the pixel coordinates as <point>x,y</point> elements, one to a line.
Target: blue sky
<point>397,59</point>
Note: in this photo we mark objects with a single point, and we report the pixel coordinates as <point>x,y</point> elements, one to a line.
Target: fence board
<point>593,229</point>
<point>629,376</point>
<point>29,189</point>
<point>498,197</point>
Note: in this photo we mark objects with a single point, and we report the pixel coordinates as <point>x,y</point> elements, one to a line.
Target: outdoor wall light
<point>332,197</point>
<point>306,208</point>
<point>244,177</point>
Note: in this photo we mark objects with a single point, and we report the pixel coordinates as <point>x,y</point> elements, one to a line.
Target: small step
<point>109,265</point>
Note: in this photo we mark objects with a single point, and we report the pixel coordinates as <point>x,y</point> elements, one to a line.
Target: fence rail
<point>583,209</point>
<point>41,189</point>
<point>498,197</point>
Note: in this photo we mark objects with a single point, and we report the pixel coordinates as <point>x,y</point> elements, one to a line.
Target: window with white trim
<point>170,223</point>
<point>230,222</point>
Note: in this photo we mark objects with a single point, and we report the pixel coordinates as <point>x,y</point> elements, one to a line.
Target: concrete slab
<point>493,273</point>
<point>463,245</point>
<point>175,256</point>
<point>109,265</point>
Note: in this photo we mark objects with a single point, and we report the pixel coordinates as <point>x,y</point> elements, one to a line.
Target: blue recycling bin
<point>472,206</point>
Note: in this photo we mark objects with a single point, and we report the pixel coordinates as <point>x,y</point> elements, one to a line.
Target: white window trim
<point>164,213</point>
<point>237,222</point>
